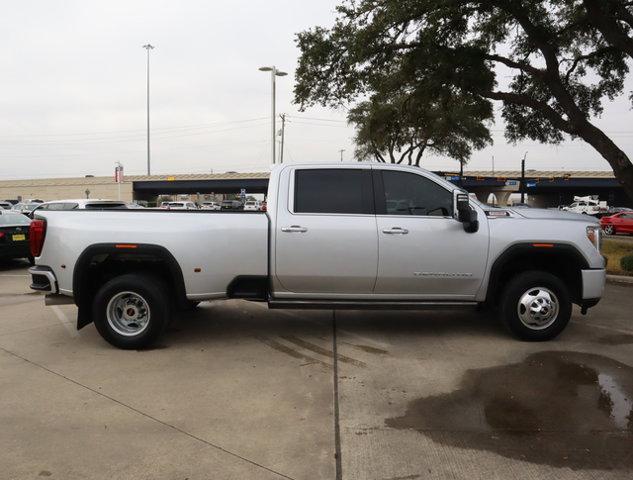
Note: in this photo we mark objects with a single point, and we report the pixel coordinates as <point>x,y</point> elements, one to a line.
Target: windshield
<point>14,219</point>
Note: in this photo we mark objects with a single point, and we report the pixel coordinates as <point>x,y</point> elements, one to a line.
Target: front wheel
<point>131,311</point>
<point>535,306</point>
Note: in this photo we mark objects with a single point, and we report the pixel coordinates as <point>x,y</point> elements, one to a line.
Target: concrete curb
<point>620,279</point>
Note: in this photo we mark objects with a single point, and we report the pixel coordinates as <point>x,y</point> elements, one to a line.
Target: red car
<point>619,223</point>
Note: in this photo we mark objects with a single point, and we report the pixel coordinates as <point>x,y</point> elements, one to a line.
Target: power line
<point>133,131</point>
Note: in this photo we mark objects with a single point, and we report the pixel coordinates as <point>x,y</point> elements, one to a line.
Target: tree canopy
<point>551,64</point>
<point>401,127</point>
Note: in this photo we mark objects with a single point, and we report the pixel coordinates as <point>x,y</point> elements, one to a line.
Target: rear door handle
<point>395,231</point>
<point>294,228</point>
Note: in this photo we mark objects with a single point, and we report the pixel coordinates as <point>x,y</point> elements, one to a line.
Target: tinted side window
<point>411,194</point>
<point>333,191</point>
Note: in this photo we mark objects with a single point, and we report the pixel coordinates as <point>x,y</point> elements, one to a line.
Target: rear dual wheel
<point>132,311</point>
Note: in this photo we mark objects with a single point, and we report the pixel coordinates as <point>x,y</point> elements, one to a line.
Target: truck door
<point>326,238</point>
<point>424,252</point>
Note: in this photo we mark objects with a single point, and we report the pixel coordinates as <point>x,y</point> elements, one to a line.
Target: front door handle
<point>395,231</point>
<point>294,228</point>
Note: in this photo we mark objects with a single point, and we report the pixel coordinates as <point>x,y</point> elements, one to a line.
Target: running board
<point>368,304</point>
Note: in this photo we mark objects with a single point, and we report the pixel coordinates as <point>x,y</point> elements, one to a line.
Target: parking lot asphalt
<point>235,390</point>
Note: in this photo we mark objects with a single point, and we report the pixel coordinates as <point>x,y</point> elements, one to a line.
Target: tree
<point>403,126</point>
<point>563,58</point>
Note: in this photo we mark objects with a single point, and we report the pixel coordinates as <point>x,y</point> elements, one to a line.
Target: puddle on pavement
<point>564,409</point>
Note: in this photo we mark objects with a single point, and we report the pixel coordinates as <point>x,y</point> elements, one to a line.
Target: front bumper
<point>593,283</point>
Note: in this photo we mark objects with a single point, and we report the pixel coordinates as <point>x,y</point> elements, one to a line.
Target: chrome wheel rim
<point>608,229</point>
<point>538,308</point>
<point>128,313</point>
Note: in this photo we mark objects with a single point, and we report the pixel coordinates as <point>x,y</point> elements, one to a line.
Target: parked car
<point>231,205</point>
<point>618,223</point>
<point>78,204</point>
<point>210,206</point>
<point>164,205</point>
<point>318,247</point>
<point>588,205</point>
<point>252,206</point>
<point>25,208</point>
<point>14,235</point>
<point>134,206</point>
<point>181,206</point>
<point>6,205</point>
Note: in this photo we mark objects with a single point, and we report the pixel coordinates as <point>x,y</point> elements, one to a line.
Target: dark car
<point>231,205</point>
<point>14,235</point>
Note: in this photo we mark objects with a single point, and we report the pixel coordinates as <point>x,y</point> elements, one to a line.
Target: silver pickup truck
<point>355,236</point>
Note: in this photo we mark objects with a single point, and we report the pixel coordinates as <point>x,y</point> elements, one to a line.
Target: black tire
<point>31,260</point>
<point>528,283</point>
<point>155,295</point>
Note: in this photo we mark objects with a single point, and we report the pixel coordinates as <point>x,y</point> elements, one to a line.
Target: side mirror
<point>465,214</point>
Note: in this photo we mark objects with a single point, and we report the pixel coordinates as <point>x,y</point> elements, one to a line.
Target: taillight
<point>37,232</point>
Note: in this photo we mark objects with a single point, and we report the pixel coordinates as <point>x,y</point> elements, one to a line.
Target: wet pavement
<point>238,391</point>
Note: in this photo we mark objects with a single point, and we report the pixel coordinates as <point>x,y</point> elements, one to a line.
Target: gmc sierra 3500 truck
<point>356,236</point>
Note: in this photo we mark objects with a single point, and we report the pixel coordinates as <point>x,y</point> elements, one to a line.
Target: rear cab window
<point>99,206</point>
<point>333,191</point>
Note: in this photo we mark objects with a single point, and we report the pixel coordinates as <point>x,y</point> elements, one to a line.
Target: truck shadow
<point>233,319</point>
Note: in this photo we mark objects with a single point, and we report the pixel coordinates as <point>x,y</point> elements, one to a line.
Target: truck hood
<point>549,214</point>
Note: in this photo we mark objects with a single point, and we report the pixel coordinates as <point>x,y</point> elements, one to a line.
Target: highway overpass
<point>544,188</point>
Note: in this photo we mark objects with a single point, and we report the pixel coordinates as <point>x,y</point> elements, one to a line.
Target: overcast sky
<point>72,91</point>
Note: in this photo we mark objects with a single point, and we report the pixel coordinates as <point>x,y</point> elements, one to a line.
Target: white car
<point>181,206</point>
<point>334,236</point>
<point>79,204</point>
<point>25,208</point>
<point>252,205</point>
<point>210,206</point>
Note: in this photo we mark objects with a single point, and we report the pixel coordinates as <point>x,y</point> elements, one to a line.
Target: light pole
<point>341,152</point>
<point>523,178</point>
<point>273,73</point>
<point>148,47</point>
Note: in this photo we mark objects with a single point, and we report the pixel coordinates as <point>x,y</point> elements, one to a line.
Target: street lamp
<point>148,47</point>
<point>523,177</point>
<point>273,73</point>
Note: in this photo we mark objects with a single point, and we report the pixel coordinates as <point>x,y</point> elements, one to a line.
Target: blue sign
<point>530,184</point>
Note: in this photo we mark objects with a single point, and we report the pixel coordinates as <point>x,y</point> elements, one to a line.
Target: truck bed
<point>209,245</point>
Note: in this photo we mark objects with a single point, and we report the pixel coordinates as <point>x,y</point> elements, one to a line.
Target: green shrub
<point>626,263</point>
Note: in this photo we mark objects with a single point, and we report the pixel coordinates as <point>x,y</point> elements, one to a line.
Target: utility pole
<point>283,128</point>
<point>273,73</point>
<point>148,47</point>
<point>341,152</point>
<point>523,178</point>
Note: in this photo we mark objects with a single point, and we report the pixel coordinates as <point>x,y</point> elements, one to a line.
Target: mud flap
<point>84,315</point>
